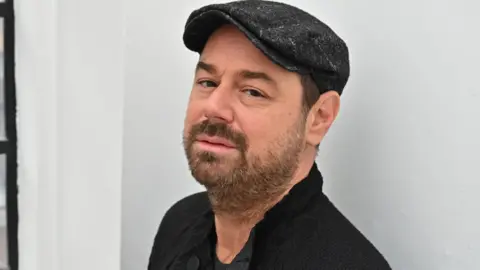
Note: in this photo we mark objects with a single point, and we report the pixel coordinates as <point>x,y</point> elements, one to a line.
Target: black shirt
<point>241,261</point>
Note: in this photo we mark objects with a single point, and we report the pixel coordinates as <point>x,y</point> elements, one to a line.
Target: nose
<point>219,105</point>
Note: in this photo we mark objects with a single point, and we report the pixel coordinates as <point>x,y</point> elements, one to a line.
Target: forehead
<point>228,47</point>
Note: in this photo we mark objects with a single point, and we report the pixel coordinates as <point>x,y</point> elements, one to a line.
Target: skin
<point>246,135</point>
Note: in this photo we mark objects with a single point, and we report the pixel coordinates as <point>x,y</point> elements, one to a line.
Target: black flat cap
<point>289,36</point>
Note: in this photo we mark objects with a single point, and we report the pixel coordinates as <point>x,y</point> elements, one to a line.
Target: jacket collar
<point>297,198</point>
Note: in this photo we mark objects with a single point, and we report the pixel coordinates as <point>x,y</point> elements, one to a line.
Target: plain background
<point>70,92</point>
<point>102,88</point>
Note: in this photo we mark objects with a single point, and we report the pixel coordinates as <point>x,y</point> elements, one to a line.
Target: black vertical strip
<point>11,132</point>
<point>3,147</point>
<point>3,9</point>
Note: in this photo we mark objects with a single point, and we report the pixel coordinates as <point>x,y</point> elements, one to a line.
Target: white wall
<point>70,87</point>
<point>402,160</point>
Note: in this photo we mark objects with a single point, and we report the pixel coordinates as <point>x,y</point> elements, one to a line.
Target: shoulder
<point>184,209</point>
<point>339,238</point>
<point>184,212</point>
<point>177,219</point>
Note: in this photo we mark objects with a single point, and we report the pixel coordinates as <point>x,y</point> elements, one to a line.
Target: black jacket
<point>304,231</point>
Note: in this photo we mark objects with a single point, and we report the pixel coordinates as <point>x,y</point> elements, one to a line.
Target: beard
<point>245,185</point>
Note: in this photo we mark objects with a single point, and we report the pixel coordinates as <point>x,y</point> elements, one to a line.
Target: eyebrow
<point>207,67</point>
<point>246,74</point>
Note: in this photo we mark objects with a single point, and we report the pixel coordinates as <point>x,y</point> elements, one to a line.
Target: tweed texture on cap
<point>289,36</point>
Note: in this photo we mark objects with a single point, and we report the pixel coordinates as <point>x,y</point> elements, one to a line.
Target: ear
<point>321,116</point>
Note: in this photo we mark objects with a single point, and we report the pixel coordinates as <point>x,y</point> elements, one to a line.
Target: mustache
<point>219,129</point>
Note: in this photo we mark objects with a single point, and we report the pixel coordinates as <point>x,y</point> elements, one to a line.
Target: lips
<point>217,141</point>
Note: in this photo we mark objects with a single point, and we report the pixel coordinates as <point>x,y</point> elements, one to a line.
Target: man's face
<point>244,127</point>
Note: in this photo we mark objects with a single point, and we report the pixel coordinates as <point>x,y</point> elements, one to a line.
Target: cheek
<point>266,131</point>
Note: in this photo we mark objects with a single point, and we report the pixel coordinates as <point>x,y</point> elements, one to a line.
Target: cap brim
<point>200,28</point>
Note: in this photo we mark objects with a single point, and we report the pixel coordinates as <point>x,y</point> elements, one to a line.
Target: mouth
<point>214,143</point>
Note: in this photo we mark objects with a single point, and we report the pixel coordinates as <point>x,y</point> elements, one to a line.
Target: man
<point>266,90</point>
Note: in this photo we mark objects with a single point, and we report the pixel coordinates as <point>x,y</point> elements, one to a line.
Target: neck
<point>231,236</point>
<point>233,233</point>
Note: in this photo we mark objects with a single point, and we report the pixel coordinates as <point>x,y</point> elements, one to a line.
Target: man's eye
<point>207,84</point>
<point>253,93</point>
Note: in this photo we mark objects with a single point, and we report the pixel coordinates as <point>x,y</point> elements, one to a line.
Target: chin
<point>209,173</point>
<point>217,167</point>
<point>208,176</point>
